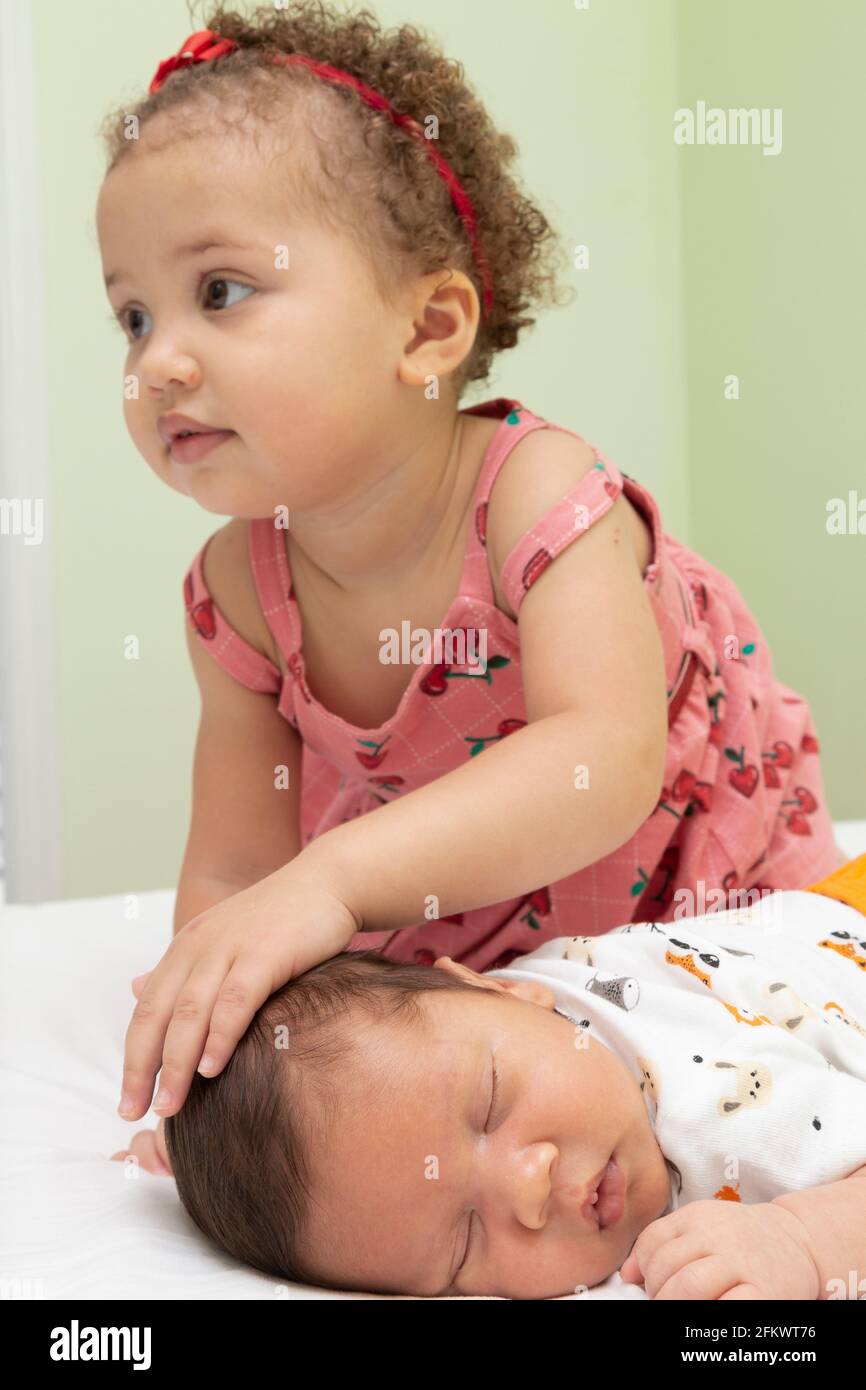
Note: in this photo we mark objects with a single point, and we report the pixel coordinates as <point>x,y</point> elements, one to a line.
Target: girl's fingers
<point>138,983</point>
<point>213,1033</point>
<point>210,1017</point>
<point>147,1029</point>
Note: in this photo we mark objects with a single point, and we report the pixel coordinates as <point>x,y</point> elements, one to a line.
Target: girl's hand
<point>220,967</point>
<point>718,1250</point>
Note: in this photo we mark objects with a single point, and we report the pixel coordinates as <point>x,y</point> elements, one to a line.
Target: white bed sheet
<point>72,1224</point>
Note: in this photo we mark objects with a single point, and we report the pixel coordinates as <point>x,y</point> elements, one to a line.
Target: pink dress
<point>742,804</point>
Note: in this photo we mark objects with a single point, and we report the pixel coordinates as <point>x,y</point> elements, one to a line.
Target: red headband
<point>205,45</point>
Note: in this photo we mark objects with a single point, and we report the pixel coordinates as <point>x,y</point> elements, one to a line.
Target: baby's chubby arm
<point>833,1218</point>
<point>800,1245</point>
<point>516,816</point>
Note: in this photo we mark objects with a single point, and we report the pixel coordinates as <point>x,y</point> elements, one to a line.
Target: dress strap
<point>274,584</point>
<point>566,521</point>
<point>242,661</point>
<point>516,422</point>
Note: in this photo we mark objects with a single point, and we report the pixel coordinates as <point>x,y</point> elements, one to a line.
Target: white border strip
<point>28,685</point>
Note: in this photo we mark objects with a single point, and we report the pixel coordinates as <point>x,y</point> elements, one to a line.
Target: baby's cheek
<point>602,1263</point>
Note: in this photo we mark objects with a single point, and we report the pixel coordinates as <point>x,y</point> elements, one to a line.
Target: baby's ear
<point>463,972</point>
<point>533,990</point>
<point>159,1140</point>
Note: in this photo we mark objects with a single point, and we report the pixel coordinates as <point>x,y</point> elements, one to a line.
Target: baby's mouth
<point>609,1201</point>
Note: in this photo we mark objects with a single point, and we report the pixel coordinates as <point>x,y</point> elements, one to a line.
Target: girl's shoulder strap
<point>227,647</point>
<point>563,523</point>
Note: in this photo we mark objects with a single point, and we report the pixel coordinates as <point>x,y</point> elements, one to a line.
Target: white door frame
<point>28,647</point>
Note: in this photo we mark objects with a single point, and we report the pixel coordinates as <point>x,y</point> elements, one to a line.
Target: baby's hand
<point>148,1146</point>
<point>716,1250</point>
<point>220,967</point>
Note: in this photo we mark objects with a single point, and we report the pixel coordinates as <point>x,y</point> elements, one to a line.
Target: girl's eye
<point>237,284</point>
<point>216,281</point>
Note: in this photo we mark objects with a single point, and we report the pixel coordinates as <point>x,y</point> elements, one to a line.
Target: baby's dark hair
<point>244,1145</point>
<point>357,171</point>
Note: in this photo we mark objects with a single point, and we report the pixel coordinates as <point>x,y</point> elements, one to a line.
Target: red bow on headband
<point>202,47</point>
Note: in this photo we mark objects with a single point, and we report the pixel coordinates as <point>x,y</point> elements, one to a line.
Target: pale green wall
<point>589,97</point>
<point>776,293</point>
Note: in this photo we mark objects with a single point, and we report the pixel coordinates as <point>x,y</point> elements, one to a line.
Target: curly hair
<point>359,173</point>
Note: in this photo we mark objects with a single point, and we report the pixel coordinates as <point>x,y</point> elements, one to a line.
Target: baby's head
<point>357,1137</point>
<point>341,273</point>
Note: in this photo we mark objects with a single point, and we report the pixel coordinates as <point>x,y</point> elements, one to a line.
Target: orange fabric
<point>848,884</point>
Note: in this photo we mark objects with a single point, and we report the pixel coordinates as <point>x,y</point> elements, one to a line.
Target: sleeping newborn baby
<point>409,1129</point>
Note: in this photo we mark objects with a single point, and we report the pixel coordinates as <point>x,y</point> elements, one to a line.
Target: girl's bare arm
<point>514,818</point>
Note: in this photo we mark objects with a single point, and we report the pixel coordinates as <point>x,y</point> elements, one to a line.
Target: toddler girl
<point>599,729</point>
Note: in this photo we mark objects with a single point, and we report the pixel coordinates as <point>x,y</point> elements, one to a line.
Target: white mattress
<point>72,1223</point>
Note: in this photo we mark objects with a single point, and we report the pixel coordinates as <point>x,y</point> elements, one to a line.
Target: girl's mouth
<point>190,447</point>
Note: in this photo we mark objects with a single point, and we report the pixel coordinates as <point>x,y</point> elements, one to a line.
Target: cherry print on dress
<point>534,568</point>
<point>377,756</point>
<point>806,806</point>
<point>391,784</point>
<point>699,591</point>
<point>610,486</point>
<point>436,680</point>
<point>538,902</point>
<point>201,615</point>
<point>745,776</point>
<point>294,664</point>
<point>538,563</point>
<point>658,890</point>
<point>504,728</point>
<point>713,701</point>
<point>481,523</point>
<point>689,789</point>
<point>782,752</point>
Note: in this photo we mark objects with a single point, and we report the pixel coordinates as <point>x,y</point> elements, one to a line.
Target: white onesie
<point>746,1030</point>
